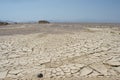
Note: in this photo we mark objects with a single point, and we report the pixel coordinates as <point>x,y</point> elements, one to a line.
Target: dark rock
<point>40,75</point>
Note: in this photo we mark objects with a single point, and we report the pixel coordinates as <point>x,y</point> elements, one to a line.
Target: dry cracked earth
<point>59,52</point>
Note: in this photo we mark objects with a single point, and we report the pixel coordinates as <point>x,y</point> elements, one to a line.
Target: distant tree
<point>43,22</point>
<point>3,23</point>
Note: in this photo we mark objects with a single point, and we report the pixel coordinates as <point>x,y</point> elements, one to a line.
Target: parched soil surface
<point>60,52</point>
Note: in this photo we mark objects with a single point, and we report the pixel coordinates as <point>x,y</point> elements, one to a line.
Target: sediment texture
<point>89,54</point>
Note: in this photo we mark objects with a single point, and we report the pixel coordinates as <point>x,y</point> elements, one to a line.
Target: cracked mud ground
<point>59,52</point>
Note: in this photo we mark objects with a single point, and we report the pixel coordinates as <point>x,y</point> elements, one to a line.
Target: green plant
<point>43,22</point>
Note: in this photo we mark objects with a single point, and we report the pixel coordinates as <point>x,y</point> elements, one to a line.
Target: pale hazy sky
<point>61,10</point>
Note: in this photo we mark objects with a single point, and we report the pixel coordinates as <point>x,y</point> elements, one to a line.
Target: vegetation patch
<point>43,22</point>
<point>4,23</point>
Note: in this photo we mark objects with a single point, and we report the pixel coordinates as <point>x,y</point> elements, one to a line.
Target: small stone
<point>40,75</point>
<point>3,74</point>
<point>85,71</point>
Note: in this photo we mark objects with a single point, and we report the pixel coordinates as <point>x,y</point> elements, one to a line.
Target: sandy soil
<point>60,52</point>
